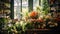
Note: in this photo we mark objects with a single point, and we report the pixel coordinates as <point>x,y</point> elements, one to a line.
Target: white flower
<point>9,25</point>
<point>21,23</point>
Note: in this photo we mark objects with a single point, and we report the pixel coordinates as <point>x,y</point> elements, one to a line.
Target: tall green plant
<point>45,6</point>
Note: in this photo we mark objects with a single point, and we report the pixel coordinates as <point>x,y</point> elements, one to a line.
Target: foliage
<point>45,6</point>
<point>30,20</point>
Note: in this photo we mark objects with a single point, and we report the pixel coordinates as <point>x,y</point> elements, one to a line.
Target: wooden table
<point>37,31</point>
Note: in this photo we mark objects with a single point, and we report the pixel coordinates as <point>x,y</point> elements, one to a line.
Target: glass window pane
<point>17,2</point>
<point>35,4</point>
<point>17,9</point>
<point>24,5</point>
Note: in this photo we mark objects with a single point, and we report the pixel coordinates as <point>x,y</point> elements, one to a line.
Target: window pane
<point>35,4</point>
<point>17,9</point>
<point>17,2</point>
<point>24,5</point>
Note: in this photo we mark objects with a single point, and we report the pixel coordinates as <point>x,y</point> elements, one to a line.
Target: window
<point>24,5</point>
<point>35,4</point>
<point>17,8</point>
<point>21,6</point>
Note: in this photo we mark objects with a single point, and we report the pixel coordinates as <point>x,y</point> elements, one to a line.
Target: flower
<point>32,20</point>
<point>33,14</point>
<point>48,16</point>
<point>40,20</point>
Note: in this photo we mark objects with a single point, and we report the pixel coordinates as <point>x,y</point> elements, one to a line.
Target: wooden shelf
<point>37,29</point>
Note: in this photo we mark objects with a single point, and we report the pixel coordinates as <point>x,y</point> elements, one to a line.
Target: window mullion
<point>30,5</point>
<point>12,9</point>
<point>21,5</point>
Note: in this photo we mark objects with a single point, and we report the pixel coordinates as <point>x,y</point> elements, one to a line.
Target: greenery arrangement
<point>39,19</point>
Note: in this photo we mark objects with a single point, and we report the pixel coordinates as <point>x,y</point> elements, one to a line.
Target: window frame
<point>30,7</point>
